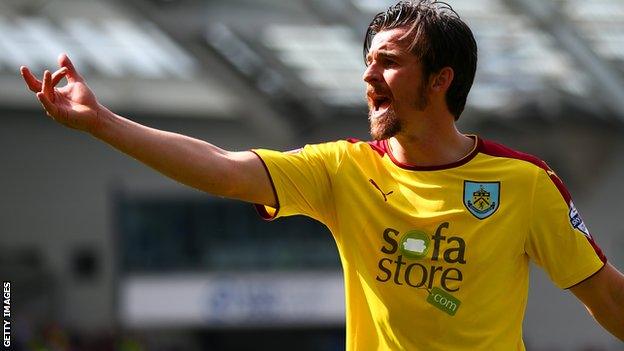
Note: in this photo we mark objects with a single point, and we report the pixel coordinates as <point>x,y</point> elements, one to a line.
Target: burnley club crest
<point>481,198</point>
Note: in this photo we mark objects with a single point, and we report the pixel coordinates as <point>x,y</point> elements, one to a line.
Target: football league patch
<point>576,221</point>
<point>482,199</point>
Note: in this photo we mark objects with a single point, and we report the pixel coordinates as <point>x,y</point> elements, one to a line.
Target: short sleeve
<point>558,239</point>
<point>302,181</point>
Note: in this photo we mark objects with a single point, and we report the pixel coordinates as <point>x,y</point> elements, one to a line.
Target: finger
<point>72,74</point>
<point>48,89</point>
<point>58,75</point>
<point>32,82</point>
<point>47,104</point>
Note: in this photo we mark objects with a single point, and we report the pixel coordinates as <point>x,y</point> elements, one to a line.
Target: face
<point>395,85</point>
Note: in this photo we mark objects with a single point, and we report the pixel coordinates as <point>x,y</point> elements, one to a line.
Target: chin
<point>384,126</point>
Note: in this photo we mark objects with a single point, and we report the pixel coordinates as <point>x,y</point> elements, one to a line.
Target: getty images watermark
<point>6,313</point>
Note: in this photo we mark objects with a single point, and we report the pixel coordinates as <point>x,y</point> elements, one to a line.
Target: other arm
<point>603,296</point>
<point>190,161</point>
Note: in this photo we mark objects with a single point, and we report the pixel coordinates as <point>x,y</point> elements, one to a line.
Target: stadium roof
<point>304,57</point>
<point>317,44</point>
<point>128,60</point>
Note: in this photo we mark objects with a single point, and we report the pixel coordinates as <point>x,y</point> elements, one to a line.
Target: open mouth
<point>380,103</point>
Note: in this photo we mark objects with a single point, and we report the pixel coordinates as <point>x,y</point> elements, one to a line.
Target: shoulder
<point>496,150</point>
<point>329,150</point>
<point>522,163</point>
<point>379,147</point>
<point>542,172</point>
<point>330,153</point>
<point>350,146</point>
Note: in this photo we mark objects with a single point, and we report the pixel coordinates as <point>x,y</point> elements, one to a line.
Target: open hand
<point>73,105</point>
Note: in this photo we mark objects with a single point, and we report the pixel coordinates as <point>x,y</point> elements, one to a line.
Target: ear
<point>443,79</point>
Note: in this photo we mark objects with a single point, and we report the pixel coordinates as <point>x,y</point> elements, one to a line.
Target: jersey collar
<point>475,150</point>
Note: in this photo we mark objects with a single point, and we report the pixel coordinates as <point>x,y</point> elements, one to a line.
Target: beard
<point>384,126</point>
<point>388,124</point>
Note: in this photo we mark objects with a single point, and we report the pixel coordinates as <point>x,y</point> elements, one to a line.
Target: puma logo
<point>385,195</point>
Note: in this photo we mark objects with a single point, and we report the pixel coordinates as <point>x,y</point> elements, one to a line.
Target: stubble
<point>388,124</point>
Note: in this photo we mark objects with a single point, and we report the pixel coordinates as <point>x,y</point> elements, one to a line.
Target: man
<point>434,228</point>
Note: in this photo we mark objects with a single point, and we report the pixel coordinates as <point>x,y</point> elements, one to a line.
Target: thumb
<point>47,104</point>
<point>72,74</point>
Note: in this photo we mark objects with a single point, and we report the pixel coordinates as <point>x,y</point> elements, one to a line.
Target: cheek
<point>405,88</point>
<point>395,84</point>
<point>401,89</point>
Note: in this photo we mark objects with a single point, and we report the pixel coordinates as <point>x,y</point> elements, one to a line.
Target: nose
<point>372,73</point>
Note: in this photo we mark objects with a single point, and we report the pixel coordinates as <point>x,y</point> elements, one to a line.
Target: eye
<point>387,62</point>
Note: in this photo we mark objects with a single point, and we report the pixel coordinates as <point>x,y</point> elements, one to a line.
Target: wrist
<point>99,124</point>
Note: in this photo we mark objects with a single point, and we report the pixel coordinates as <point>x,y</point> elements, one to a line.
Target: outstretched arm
<point>603,295</point>
<point>190,161</point>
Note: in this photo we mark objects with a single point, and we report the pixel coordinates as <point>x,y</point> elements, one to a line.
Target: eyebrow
<point>382,53</point>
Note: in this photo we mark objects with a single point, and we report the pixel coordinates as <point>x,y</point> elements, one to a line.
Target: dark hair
<point>439,38</point>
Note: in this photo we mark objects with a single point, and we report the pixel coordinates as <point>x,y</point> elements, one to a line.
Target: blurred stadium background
<point>105,254</point>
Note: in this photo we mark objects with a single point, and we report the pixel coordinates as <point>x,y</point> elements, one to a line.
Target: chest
<point>447,216</point>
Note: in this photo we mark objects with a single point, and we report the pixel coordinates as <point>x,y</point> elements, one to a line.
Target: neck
<point>431,144</point>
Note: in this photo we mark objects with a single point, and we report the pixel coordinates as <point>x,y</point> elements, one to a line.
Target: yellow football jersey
<point>435,258</point>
